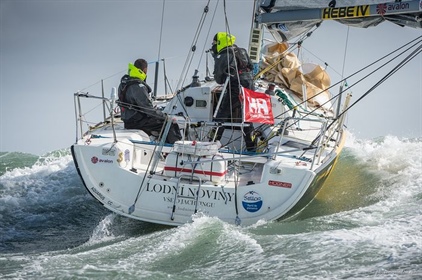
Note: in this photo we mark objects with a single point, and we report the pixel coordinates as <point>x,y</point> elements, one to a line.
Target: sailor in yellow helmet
<point>233,62</point>
<point>137,110</point>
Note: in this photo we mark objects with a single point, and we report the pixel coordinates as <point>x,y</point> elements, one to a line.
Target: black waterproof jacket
<point>136,105</point>
<point>224,64</point>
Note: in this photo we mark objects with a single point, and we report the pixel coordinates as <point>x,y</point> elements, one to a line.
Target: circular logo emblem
<point>381,9</point>
<point>252,201</point>
<point>94,160</point>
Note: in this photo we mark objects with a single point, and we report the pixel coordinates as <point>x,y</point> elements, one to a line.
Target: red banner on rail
<point>257,107</point>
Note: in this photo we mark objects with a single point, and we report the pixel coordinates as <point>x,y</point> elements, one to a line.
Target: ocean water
<point>366,223</point>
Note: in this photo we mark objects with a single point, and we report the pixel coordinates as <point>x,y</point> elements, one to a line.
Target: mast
<point>154,93</point>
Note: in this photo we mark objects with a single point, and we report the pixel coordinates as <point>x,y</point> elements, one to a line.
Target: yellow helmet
<point>224,39</point>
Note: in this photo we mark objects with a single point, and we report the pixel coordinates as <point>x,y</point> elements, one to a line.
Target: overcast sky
<point>50,49</point>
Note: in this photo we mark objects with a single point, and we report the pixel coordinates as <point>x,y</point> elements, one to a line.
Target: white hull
<point>254,187</point>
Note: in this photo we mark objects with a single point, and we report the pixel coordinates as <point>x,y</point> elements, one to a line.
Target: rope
<point>345,52</point>
<point>364,68</point>
<point>192,50</point>
<point>140,190</point>
<point>208,34</point>
<point>236,172</point>
<point>189,58</point>
<point>407,59</point>
<point>412,55</point>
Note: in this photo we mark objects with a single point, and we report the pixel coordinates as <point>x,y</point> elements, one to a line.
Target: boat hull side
<point>281,192</point>
<point>75,161</point>
<point>318,182</point>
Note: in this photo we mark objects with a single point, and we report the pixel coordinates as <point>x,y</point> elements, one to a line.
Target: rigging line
<point>236,178</point>
<point>228,57</point>
<point>325,63</point>
<point>193,47</point>
<point>141,189</point>
<point>364,68</point>
<point>412,55</point>
<point>197,38</point>
<point>112,75</point>
<point>306,35</point>
<point>236,172</point>
<point>161,30</point>
<point>190,57</point>
<point>208,33</point>
<point>345,52</point>
<point>206,40</point>
<point>389,74</point>
<point>166,80</point>
<point>186,66</point>
<point>96,83</point>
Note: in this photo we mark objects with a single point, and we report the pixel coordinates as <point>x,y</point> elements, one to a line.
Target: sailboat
<point>298,128</point>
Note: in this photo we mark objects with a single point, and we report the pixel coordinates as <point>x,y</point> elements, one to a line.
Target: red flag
<point>257,107</point>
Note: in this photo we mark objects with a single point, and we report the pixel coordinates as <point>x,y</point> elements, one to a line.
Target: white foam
<point>102,231</point>
<point>35,175</point>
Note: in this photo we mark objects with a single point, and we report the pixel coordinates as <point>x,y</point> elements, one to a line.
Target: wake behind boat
<point>298,130</point>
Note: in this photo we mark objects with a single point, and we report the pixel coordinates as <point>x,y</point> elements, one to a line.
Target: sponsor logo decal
<point>96,160</point>
<point>279,184</point>
<point>120,157</point>
<point>252,201</point>
<point>126,156</point>
<point>398,6</point>
<point>383,9</point>
<point>345,12</point>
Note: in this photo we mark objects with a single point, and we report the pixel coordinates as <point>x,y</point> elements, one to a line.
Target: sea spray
<point>365,224</point>
<point>39,202</point>
<point>102,231</point>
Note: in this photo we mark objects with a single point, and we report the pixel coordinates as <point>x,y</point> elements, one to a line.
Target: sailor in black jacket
<point>137,110</point>
<point>233,62</point>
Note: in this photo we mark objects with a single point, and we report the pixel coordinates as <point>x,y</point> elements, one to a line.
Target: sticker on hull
<point>252,201</point>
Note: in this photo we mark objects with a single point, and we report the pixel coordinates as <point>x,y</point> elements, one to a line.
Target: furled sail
<point>285,69</point>
<point>288,19</point>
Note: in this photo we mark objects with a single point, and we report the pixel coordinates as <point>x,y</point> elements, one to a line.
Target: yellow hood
<point>224,39</point>
<point>135,72</point>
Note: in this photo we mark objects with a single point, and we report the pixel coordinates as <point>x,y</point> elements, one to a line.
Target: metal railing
<point>107,110</point>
